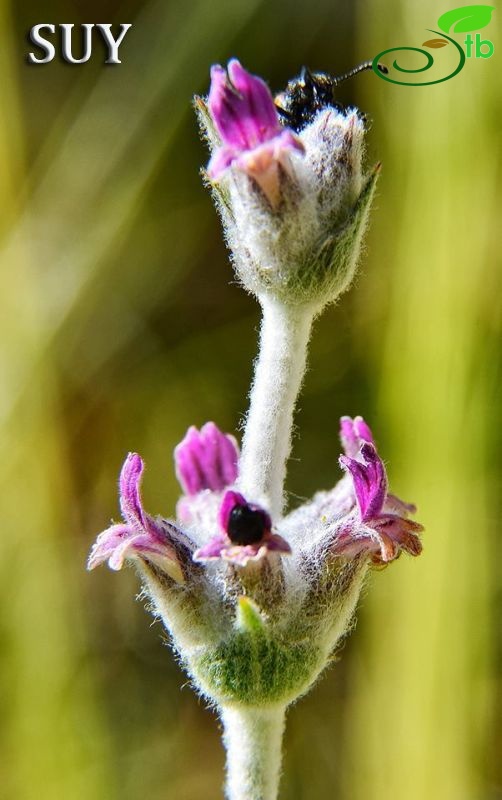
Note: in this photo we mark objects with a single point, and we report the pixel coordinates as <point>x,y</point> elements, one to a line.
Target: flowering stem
<point>253,741</point>
<point>284,336</point>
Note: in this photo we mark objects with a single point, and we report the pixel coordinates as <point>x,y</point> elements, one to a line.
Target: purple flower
<point>140,535</point>
<point>378,524</point>
<point>206,459</point>
<point>253,140</point>
<point>206,464</point>
<point>246,533</point>
<point>353,433</point>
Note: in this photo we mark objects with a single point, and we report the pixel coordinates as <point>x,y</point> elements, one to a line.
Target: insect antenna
<point>361,68</point>
<point>306,77</point>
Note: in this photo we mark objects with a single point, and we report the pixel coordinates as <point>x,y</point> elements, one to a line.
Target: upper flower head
<point>294,204</point>
<point>244,114</point>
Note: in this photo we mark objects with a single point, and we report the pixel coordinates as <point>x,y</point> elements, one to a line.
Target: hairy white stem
<point>253,741</point>
<point>284,336</point>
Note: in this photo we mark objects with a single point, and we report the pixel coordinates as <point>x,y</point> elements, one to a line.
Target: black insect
<point>246,525</point>
<point>310,92</point>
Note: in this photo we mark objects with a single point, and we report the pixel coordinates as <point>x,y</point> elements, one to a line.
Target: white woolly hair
<point>319,189</point>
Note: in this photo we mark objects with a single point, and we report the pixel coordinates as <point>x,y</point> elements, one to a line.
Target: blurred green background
<point>121,325</point>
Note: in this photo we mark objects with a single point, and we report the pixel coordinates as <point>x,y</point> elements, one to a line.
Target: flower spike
<point>255,630</point>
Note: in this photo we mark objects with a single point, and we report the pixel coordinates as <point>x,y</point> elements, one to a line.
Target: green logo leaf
<point>435,43</point>
<point>465,19</point>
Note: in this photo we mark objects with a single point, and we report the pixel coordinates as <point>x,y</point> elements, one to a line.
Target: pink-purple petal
<point>141,534</point>
<point>242,554</point>
<point>106,543</point>
<point>125,549</point>
<point>129,482</point>
<point>206,459</point>
<point>244,114</point>
<point>218,456</point>
<point>242,107</point>
<point>370,480</point>
<point>131,503</point>
<point>120,542</point>
<point>378,525</point>
<point>221,159</point>
<point>140,545</point>
<point>260,103</point>
<point>229,111</point>
<point>383,538</point>
<point>363,430</point>
<point>287,140</point>
<point>230,501</point>
<point>352,545</point>
<point>402,531</point>
<point>353,434</point>
<point>276,543</point>
<point>212,549</point>
<point>371,541</point>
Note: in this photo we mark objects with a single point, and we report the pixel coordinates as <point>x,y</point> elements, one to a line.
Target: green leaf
<point>465,19</point>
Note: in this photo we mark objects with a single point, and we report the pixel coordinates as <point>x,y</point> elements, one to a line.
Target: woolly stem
<point>253,741</point>
<point>279,369</point>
